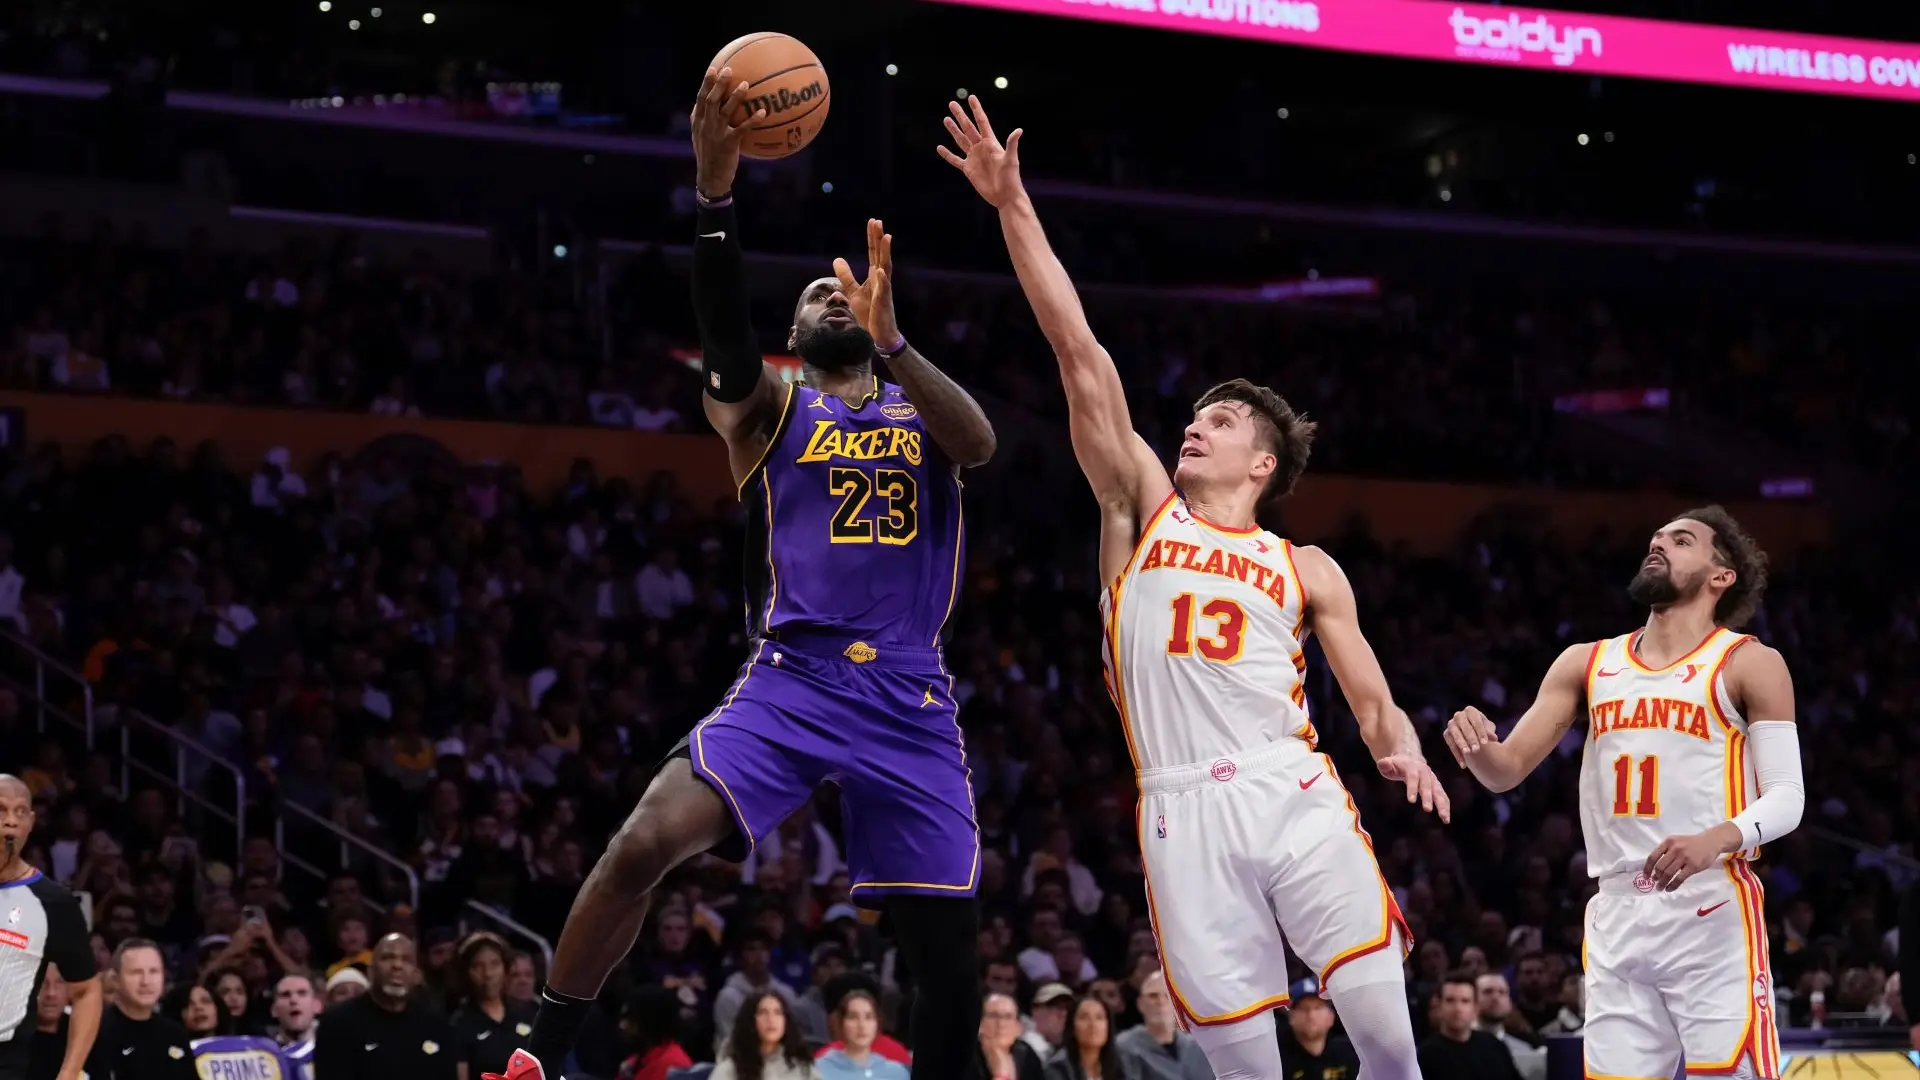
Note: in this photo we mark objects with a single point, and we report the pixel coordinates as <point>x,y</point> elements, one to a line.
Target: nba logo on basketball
<point>1163,826</point>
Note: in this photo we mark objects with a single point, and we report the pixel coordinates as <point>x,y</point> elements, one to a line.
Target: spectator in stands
<point>136,1041</point>
<point>49,1046</point>
<point>1056,853</point>
<point>1157,1047</point>
<point>1088,1052</point>
<point>1308,1047</point>
<point>193,1005</point>
<point>752,979</point>
<point>1004,1055</point>
<point>387,1033</point>
<point>1052,1004</point>
<point>345,985</point>
<point>856,1024</point>
<point>763,1043</point>
<point>229,990</point>
<point>1499,1019</point>
<point>487,1025</point>
<point>1573,1007</point>
<point>1457,1050</point>
<point>296,1005</point>
<point>650,1024</point>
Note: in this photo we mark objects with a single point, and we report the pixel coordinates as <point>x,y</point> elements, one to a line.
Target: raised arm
<point>1126,476</point>
<point>1501,765</point>
<point>743,393</point>
<point>1334,617</point>
<point>955,422</point>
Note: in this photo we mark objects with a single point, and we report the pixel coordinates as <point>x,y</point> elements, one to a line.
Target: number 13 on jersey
<point>1221,642</point>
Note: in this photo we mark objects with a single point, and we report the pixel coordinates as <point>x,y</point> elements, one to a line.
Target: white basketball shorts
<point>1243,849</point>
<point>1679,976</point>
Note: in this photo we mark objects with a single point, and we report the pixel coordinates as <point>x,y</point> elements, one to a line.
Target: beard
<point>833,350</point>
<point>1654,587</point>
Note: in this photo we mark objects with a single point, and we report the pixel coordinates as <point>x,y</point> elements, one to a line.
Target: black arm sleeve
<point>729,355</point>
<point>68,946</point>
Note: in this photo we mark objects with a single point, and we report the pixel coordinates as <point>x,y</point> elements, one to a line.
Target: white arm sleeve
<point>1783,794</point>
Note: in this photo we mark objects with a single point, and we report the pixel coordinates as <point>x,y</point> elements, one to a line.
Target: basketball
<point>784,78</point>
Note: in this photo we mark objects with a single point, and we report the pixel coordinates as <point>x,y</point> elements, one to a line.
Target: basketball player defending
<point>1690,762</point>
<point>1246,833</point>
<point>852,494</point>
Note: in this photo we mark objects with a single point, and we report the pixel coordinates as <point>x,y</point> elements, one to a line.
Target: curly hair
<point>1286,434</point>
<point>1736,549</point>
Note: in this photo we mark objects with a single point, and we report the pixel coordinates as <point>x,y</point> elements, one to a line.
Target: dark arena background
<point>365,546</point>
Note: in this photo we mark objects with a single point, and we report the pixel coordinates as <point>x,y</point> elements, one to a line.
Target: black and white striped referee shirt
<point>40,924</point>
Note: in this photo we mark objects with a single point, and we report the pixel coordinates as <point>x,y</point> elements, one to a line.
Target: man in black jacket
<point>1455,1051</point>
<point>387,1033</point>
<point>136,1042</point>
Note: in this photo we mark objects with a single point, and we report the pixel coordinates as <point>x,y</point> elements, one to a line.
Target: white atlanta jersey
<point>1665,754</point>
<point>1203,637</point>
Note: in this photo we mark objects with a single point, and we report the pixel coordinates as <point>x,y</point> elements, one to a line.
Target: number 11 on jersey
<point>1624,804</point>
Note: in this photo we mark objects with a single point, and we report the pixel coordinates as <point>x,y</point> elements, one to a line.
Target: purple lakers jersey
<point>854,524</point>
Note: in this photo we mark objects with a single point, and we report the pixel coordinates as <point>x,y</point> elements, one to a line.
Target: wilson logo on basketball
<point>1223,770</point>
<point>783,99</point>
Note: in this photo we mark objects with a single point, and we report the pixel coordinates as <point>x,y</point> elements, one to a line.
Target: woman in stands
<point>857,1024</point>
<point>194,1006</point>
<point>765,1044</point>
<point>487,1023</point>
<point>1088,1052</point>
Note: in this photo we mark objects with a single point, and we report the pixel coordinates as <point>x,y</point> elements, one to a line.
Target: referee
<point>40,924</point>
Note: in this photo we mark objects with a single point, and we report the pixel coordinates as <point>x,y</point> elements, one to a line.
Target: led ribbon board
<point>1528,38</point>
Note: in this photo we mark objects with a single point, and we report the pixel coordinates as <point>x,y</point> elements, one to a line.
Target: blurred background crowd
<point>275,705</point>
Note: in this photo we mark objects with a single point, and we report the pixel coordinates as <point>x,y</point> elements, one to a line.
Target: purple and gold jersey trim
<point>856,528</point>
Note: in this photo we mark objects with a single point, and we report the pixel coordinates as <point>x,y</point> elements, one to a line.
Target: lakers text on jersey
<point>1204,661</point>
<point>855,543</point>
<point>1679,974</point>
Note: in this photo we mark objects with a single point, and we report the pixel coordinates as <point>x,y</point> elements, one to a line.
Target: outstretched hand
<point>1422,786</point>
<point>992,169</point>
<point>716,135</point>
<point>872,300</point>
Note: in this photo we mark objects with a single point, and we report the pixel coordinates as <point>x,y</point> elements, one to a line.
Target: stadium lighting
<point>961,93</point>
<point>1446,194</point>
<point>826,188</point>
<point>427,17</point>
<point>559,251</point>
<point>353,24</point>
<point>893,69</point>
<point>1282,113</point>
<point>375,13</point>
<point>326,5</point>
<point>1000,82</point>
<point>1581,138</point>
<point>1607,135</point>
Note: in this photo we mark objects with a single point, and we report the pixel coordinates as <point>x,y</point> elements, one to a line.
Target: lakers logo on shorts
<point>860,652</point>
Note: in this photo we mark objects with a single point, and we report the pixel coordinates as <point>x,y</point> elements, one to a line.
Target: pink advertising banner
<point>1528,38</point>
